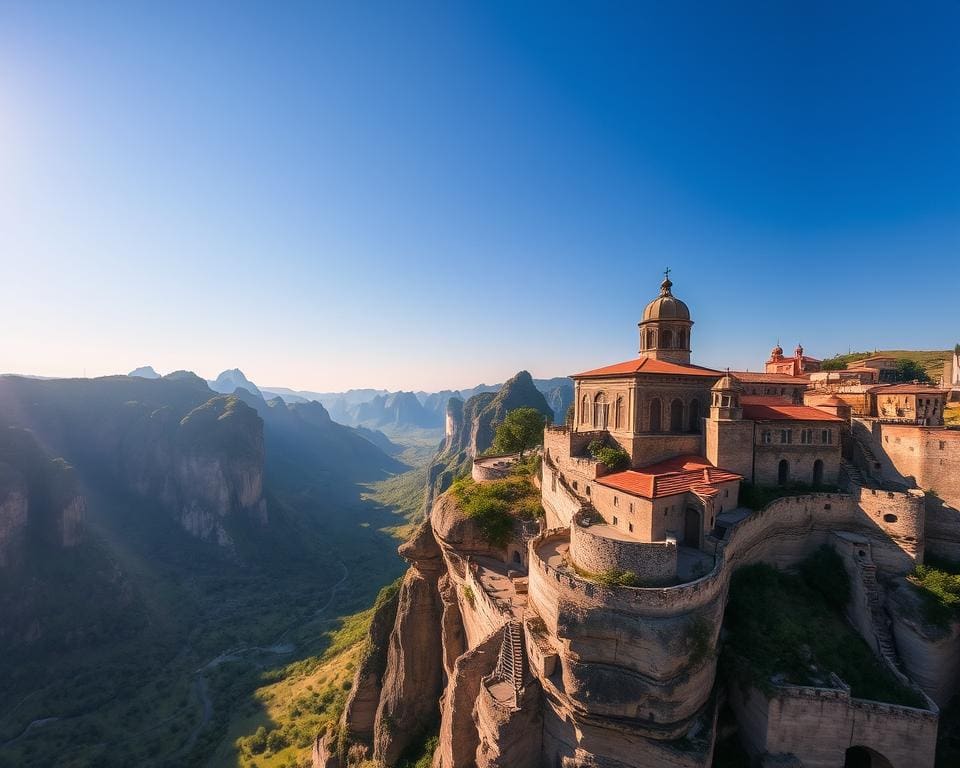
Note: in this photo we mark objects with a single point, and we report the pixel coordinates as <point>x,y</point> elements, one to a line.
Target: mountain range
<point>381,409</point>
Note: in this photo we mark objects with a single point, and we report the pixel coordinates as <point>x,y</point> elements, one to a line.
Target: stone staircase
<point>510,661</point>
<point>853,473</point>
<point>875,469</point>
<point>885,642</point>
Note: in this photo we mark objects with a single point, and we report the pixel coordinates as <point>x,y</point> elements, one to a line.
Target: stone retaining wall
<point>650,561</point>
<point>786,723</point>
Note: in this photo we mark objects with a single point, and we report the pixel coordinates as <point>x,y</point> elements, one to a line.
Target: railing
<point>510,662</point>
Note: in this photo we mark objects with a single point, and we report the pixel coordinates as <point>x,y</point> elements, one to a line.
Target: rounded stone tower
<point>665,327</point>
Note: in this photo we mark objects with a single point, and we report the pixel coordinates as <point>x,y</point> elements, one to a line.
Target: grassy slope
<point>932,360</point>
<point>283,699</point>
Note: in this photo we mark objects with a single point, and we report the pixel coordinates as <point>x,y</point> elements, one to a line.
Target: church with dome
<point>680,440</point>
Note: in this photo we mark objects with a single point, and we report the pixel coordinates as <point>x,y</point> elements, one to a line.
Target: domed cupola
<point>665,327</point>
<point>725,398</point>
<point>777,353</point>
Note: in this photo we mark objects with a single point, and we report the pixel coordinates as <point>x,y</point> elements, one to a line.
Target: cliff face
<point>437,661</point>
<point>39,498</point>
<point>470,428</point>
<point>169,441</point>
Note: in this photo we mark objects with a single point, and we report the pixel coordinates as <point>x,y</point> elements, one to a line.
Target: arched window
<point>651,339</point>
<point>584,410</point>
<point>656,412</point>
<point>676,416</point>
<point>601,411</point>
<point>681,339</point>
<point>618,414</point>
<point>666,338</point>
<point>694,415</point>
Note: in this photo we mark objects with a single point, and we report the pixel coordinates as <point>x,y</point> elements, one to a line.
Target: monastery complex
<point>591,638</point>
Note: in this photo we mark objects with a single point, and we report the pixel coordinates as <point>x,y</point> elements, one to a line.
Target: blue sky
<point>425,195</point>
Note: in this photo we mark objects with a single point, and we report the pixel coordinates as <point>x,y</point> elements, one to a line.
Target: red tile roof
<point>669,478</point>
<point>907,389</point>
<point>759,377</point>
<point>647,365</point>
<point>760,408</point>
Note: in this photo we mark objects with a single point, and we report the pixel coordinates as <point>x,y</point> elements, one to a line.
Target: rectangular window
<point>614,519</point>
<point>616,501</point>
<point>631,527</point>
<point>826,437</point>
<point>631,507</point>
<point>943,445</point>
<point>806,436</point>
<point>786,436</point>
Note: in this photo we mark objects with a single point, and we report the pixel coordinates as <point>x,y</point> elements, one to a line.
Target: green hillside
<point>932,361</point>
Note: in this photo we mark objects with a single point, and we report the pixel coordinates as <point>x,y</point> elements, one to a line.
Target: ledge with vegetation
<point>496,505</point>
<point>790,628</point>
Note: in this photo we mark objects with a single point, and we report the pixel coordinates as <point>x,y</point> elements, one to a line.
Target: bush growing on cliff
<point>612,457</point>
<point>939,585</point>
<point>494,506</point>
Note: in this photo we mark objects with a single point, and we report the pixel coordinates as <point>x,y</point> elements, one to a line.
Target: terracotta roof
<point>647,365</point>
<point>758,408</point>
<point>757,377</point>
<point>669,478</point>
<point>906,389</point>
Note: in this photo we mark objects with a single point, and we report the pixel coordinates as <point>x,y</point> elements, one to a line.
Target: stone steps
<point>885,642</point>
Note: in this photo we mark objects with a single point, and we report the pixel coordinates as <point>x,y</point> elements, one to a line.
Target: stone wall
<point>901,517</point>
<point>818,725</point>
<point>928,457</point>
<point>492,467</point>
<point>800,459</point>
<point>729,445</point>
<point>652,562</point>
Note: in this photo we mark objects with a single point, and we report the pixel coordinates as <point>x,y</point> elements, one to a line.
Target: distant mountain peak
<point>231,380</point>
<point>144,372</point>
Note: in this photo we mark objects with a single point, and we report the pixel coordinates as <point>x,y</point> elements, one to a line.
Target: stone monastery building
<point>692,434</point>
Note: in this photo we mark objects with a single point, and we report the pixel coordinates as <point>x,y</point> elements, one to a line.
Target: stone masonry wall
<point>784,724</point>
<point>928,457</point>
<point>652,562</point>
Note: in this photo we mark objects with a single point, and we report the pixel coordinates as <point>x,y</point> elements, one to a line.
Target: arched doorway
<point>783,472</point>
<point>694,415</point>
<point>864,757</point>
<point>691,528</point>
<point>818,472</point>
<point>655,414</point>
<point>676,416</point>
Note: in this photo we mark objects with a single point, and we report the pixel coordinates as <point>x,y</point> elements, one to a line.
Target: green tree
<point>910,370</point>
<point>521,430</point>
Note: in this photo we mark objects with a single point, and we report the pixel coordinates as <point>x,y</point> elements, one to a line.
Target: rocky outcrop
<point>470,428</point>
<point>414,674</point>
<point>360,713</point>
